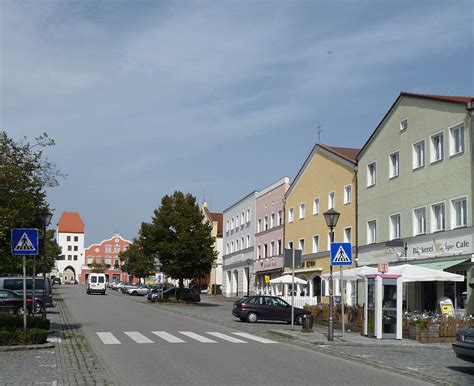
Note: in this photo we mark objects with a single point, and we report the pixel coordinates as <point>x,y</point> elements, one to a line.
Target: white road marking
<point>197,337</point>
<point>168,337</point>
<point>253,337</point>
<point>108,338</point>
<point>137,337</point>
<point>226,337</point>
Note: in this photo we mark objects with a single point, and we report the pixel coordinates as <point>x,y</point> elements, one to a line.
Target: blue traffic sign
<point>24,241</point>
<point>341,254</point>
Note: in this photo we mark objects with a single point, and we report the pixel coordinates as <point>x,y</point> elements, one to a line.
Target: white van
<point>96,283</point>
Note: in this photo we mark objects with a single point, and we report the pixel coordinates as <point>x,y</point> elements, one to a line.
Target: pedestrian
<point>305,291</point>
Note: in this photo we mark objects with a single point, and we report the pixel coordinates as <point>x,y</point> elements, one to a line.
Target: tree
<point>180,237</point>
<point>98,267</point>
<point>24,174</point>
<point>136,262</point>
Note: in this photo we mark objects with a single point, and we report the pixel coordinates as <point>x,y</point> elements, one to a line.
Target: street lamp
<point>249,261</point>
<point>45,217</point>
<point>331,217</point>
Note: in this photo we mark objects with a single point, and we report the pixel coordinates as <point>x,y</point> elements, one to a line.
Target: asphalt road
<point>143,344</point>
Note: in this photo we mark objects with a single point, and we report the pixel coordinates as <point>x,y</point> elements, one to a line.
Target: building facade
<point>415,190</point>
<point>106,254</point>
<point>70,237</point>
<point>216,220</point>
<point>238,244</point>
<point>270,218</point>
<point>326,180</point>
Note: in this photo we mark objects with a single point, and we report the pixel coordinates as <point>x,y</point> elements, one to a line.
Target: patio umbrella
<point>287,279</point>
<point>352,274</point>
<point>411,273</point>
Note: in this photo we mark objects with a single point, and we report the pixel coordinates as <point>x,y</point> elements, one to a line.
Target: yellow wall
<point>323,174</point>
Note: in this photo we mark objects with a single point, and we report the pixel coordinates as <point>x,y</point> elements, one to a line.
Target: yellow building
<point>326,180</point>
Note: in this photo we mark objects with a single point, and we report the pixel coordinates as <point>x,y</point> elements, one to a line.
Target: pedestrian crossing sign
<point>24,241</point>
<point>341,254</point>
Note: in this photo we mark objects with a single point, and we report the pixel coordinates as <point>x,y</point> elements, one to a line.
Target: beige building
<point>326,180</point>
<point>215,219</point>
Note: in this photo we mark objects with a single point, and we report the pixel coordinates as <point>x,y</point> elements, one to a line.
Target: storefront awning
<point>442,265</point>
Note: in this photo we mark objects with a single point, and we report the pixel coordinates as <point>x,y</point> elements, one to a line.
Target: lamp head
<point>331,217</point>
<point>45,216</point>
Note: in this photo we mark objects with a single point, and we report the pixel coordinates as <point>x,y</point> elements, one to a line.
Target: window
<point>272,248</point>
<point>227,226</point>
<point>232,223</point>
<point>236,245</point>
<point>394,165</point>
<point>237,221</point>
<point>242,242</point>
<point>371,174</point>
<point>68,238</point>
<point>280,217</point>
<point>301,242</point>
<point>75,248</point>
<point>331,200</point>
<point>438,214</point>
<point>75,257</point>
<point>290,244</point>
<point>259,225</point>
<point>302,210</point>
<point>459,212</point>
<point>108,248</point>
<point>290,215</point>
<point>90,259</point>
<point>457,140</point>
<point>315,244</point>
<point>248,242</point>
<point>242,219</point>
<point>259,252</point>
<point>69,257</point>
<point>116,263</point>
<point>265,223</point>
<point>76,238</point>
<point>227,248</point>
<point>108,260</point>
<point>272,220</point>
<point>419,221</point>
<point>437,147</point>
<point>348,235</point>
<point>372,232</point>
<point>316,206</point>
<point>248,215</point>
<point>404,124</point>
<point>394,226</point>
<point>347,194</point>
<point>265,250</point>
<point>69,248</point>
<point>419,155</point>
<point>280,249</point>
<point>231,247</point>
<point>117,248</point>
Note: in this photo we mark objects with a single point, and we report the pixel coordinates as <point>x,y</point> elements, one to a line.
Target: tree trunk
<point>181,288</point>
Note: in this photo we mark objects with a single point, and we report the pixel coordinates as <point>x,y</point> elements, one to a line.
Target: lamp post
<point>249,261</point>
<point>45,217</point>
<point>331,217</point>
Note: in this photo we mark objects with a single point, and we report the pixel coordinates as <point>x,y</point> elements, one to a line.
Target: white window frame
<point>227,248</point>
<point>452,139</point>
<point>404,124</point>
<point>259,225</point>
<point>265,223</point>
<point>242,219</point>
<point>419,228</point>
<point>272,220</point>
<point>237,245</point>
<point>232,224</point>
<point>248,215</point>
<point>302,211</point>
<point>242,242</point>
<point>280,246</point>
<point>434,149</point>
<point>419,158</point>
<point>259,252</point>
<point>331,200</point>
<point>290,244</point>
<point>237,224</point>
<point>316,202</point>
<point>347,194</point>
<point>347,239</point>
<point>394,168</point>
<point>315,246</point>
<point>371,174</point>
<point>371,236</point>
<point>272,248</point>
<point>227,224</point>
<point>291,215</point>
<point>434,219</point>
<point>395,229</point>
<point>301,245</point>
<point>247,245</point>
<point>231,247</point>
<point>464,214</point>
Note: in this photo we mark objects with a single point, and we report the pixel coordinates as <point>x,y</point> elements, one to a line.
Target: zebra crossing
<point>179,337</point>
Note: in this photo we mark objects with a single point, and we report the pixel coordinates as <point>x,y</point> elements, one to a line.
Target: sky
<point>214,98</point>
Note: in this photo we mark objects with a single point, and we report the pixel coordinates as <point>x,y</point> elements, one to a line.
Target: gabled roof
<point>465,100</point>
<point>345,155</point>
<point>218,217</point>
<point>70,222</point>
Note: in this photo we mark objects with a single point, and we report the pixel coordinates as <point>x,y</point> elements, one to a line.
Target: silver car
<point>139,291</point>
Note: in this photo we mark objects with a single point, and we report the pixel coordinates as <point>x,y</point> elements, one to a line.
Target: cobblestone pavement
<point>70,362</point>
<point>435,364</point>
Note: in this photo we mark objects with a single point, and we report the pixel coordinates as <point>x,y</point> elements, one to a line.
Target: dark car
<point>12,303</point>
<point>261,307</point>
<point>464,346</point>
<point>57,281</point>
<point>16,284</point>
<point>188,295</point>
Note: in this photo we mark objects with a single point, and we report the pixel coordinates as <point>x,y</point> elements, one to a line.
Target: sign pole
<point>343,288</point>
<point>34,284</point>
<point>24,292</point>
<point>293,291</point>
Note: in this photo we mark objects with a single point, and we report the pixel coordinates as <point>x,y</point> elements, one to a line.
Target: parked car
<point>464,346</point>
<point>119,286</point>
<point>12,303</point>
<point>127,286</point>
<point>189,294</point>
<point>140,291</point>
<point>15,283</point>
<point>56,281</point>
<point>261,307</point>
<point>116,284</point>
<point>111,284</point>
<point>96,283</point>
<point>71,282</point>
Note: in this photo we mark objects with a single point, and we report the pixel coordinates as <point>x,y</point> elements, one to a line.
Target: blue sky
<point>215,98</point>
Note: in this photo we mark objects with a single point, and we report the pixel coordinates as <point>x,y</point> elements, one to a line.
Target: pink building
<point>269,234</point>
<point>107,253</point>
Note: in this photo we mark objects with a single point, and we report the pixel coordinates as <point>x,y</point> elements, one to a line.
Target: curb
<point>29,347</point>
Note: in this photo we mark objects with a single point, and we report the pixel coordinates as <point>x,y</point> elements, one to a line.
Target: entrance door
<point>389,309</point>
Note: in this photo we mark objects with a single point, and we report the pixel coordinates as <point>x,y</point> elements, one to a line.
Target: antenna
<point>319,131</point>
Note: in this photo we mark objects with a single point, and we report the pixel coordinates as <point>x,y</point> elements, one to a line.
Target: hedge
<point>11,322</point>
<point>21,337</point>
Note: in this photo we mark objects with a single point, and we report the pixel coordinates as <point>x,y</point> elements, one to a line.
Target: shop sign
<point>443,246</point>
<point>269,263</point>
<point>267,278</point>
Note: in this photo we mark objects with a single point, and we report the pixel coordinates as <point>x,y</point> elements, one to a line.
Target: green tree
<point>25,173</point>
<point>180,237</point>
<point>136,262</point>
<point>98,267</point>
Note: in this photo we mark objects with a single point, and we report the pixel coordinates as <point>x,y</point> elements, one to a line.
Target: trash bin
<point>307,323</point>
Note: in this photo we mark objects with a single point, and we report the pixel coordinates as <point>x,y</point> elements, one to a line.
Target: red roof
<point>70,222</point>
<point>219,218</point>
<point>443,98</point>
<point>348,153</point>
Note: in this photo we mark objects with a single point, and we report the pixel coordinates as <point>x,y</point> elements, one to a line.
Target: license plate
<point>469,339</point>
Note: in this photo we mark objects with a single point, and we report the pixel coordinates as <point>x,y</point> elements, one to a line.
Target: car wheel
<point>252,317</point>
<point>299,320</point>
<point>20,311</point>
<point>38,307</point>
